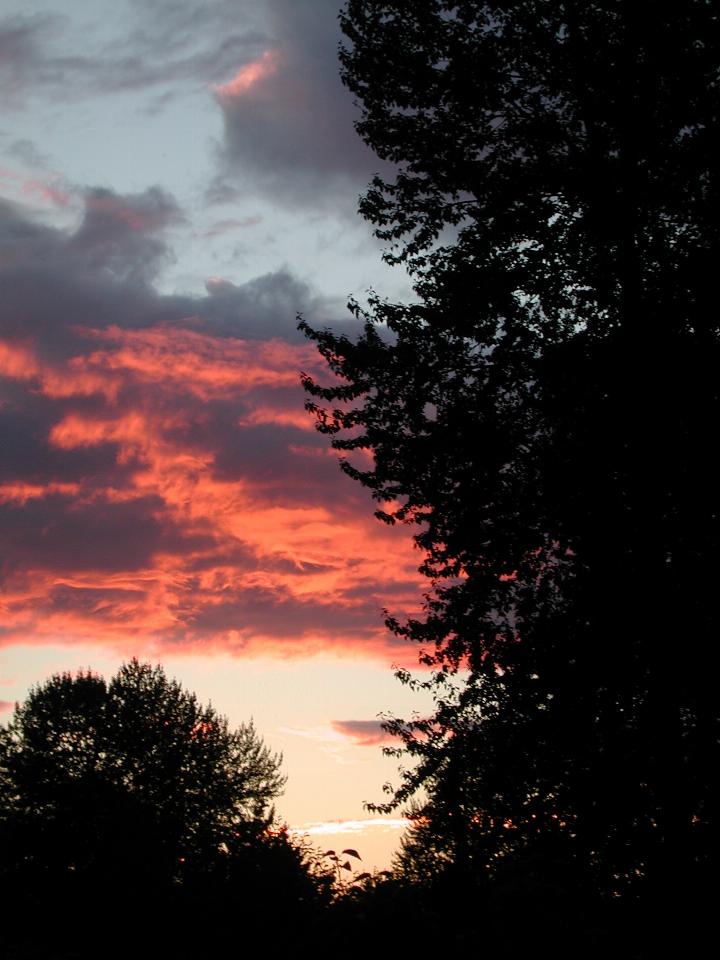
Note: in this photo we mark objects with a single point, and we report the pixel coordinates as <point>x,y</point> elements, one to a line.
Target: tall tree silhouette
<point>545,414</point>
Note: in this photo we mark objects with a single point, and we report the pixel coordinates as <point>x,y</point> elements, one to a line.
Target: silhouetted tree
<point>98,777</point>
<point>132,802</point>
<point>545,414</point>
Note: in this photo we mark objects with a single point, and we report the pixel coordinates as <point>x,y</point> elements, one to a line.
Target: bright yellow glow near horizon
<point>293,704</point>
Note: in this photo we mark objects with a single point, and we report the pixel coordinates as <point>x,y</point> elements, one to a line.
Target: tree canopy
<point>98,776</point>
<point>543,414</point>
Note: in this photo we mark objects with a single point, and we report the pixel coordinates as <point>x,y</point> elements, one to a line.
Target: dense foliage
<point>95,775</point>
<point>544,413</point>
<point>133,800</point>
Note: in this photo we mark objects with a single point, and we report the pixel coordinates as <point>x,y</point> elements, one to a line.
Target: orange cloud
<point>249,76</point>
<point>201,364</point>
<point>263,415</point>
<point>20,492</point>
<point>161,487</point>
<point>18,361</point>
<point>206,512</point>
<point>79,431</point>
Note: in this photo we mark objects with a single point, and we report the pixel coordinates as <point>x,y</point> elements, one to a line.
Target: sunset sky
<point>177,181</point>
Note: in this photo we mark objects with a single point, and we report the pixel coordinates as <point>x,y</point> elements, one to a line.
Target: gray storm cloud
<point>288,118</point>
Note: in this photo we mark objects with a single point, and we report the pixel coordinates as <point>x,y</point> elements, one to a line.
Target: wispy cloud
<point>221,227</point>
<point>371,824</point>
<point>157,48</point>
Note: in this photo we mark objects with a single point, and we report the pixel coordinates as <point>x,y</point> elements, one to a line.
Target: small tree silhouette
<point>97,776</point>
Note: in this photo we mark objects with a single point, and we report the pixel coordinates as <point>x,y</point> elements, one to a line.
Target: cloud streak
<point>161,46</point>
<point>322,828</point>
<point>363,733</point>
<point>248,78</point>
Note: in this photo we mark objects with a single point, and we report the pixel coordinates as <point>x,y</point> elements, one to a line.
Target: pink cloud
<point>17,360</point>
<point>249,76</point>
<point>130,214</point>
<point>49,190</point>
<point>363,733</point>
<point>263,415</point>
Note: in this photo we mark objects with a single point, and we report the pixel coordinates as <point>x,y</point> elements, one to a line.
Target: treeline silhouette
<point>133,821</point>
